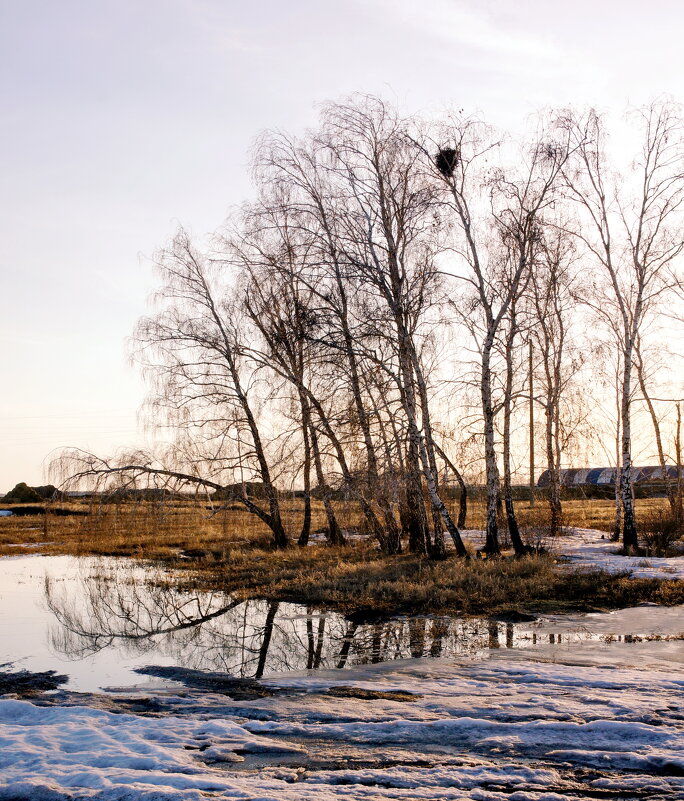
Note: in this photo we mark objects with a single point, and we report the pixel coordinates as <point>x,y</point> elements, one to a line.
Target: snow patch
<point>589,549</point>
<point>484,729</point>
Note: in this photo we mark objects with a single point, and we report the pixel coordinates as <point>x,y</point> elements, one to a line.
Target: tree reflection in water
<point>134,611</point>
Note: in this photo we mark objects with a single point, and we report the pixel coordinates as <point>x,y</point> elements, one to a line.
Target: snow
<point>485,729</point>
<point>28,545</point>
<point>589,549</point>
<point>92,751</point>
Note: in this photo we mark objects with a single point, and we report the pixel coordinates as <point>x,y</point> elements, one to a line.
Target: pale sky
<point>119,119</point>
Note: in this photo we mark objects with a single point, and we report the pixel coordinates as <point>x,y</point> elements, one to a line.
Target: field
<point>156,531</point>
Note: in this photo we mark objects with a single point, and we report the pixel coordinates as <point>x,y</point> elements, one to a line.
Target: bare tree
<point>643,375</point>
<point>509,341</point>
<point>388,240</point>
<point>324,341</point>
<point>511,216</point>
<point>553,303</point>
<point>193,350</point>
<point>631,228</point>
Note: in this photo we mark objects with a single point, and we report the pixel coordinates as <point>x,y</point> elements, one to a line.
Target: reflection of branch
<point>124,615</point>
<point>111,636</point>
<point>216,633</point>
<point>124,608</point>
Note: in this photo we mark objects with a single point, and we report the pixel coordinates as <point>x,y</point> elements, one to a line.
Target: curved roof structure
<point>582,477</point>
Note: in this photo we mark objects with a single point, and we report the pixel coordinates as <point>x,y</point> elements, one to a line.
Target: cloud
<point>224,26</point>
<point>452,22</point>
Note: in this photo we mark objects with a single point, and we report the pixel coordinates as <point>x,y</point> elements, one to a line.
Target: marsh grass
<point>661,533</point>
<point>230,551</point>
<point>360,580</point>
<point>156,530</point>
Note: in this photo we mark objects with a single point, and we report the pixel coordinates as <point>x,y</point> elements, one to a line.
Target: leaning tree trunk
<point>669,489</point>
<point>419,535</point>
<point>411,515</point>
<point>273,519</point>
<point>392,479</point>
<point>375,489</point>
<point>511,520</point>
<point>438,505</point>
<point>275,523</point>
<point>463,489</point>
<point>553,466</point>
<point>438,545</point>
<point>371,518</point>
<point>418,441</point>
<point>462,501</point>
<point>335,536</point>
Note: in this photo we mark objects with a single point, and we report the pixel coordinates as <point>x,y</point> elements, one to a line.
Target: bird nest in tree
<point>446,161</point>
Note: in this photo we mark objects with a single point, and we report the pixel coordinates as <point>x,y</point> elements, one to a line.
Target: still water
<point>96,620</point>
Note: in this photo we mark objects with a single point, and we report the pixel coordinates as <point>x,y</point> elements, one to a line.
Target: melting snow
<point>593,550</point>
<point>488,729</point>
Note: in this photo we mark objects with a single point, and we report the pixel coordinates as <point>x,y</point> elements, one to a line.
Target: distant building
<point>605,476</point>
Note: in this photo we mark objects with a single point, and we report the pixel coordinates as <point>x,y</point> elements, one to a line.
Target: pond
<point>97,620</point>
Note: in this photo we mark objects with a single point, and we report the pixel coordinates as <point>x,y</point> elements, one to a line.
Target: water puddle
<point>97,620</point>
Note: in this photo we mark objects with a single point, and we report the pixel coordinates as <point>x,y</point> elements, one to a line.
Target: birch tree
<point>488,206</point>
<point>632,229</point>
<point>553,304</point>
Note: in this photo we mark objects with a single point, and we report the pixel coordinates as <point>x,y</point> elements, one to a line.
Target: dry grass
<point>159,531</point>
<point>148,530</point>
<point>360,580</point>
<point>584,513</point>
<point>234,555</point>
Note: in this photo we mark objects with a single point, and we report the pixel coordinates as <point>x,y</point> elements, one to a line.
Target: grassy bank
<point>359,580</point>
<point>230,551</point>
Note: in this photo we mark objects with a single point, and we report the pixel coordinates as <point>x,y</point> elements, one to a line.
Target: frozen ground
<point>593,550</point>
<point>506,727</point>
<point>590,549</point>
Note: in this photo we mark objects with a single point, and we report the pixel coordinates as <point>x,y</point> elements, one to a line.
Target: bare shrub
<point>661,532</point>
